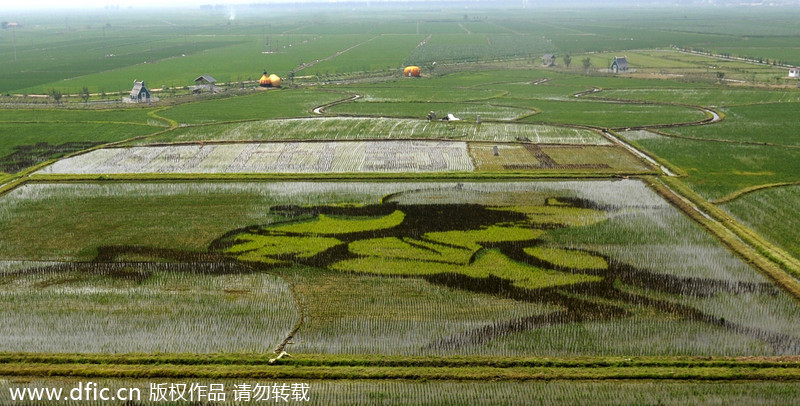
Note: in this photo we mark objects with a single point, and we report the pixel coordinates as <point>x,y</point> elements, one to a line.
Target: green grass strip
<point>397,360</point>
<point>381,367</point>
<point>739,193</point>
<point>154,114</point>
<point>439,176</point>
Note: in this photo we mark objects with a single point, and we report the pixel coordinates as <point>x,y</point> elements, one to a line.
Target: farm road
<point>715,117</point>
<point>638,153</point>
<point>321,109</point>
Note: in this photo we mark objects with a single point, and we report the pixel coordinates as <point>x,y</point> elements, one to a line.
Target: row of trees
<point>728,55</point>
<point>587,62</point>
<point>57,95</point>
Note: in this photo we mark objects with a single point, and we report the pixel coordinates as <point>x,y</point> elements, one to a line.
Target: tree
<point>85,94</point>
<point>587,63</point>
<point>4,24</point>
<point>56,95</point>
<point>567,60</point>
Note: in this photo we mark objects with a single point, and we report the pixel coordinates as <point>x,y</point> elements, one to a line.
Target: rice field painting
<point>515,224</point>
<point>505,268</point>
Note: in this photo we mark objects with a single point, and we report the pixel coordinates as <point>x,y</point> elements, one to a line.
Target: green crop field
<point>364,128</point>
<point>757,211</point>
<point>498,230</point>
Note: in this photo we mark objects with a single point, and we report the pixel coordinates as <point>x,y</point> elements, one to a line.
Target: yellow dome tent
<point>264,81</point>
<point>411,71</point>
<point>275,80</point>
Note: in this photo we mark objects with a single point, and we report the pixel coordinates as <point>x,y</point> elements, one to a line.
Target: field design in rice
<point>495,250</point>
<point>503,268</point>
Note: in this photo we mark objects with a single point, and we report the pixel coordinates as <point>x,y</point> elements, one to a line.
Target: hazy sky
<point>55,4</point>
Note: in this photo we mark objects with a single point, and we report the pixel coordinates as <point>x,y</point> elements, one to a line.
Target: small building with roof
<point>620,64</point>
<point>140,94</point>
<point>549,60</point>
<point>204,83</point>
<point>794,73</point>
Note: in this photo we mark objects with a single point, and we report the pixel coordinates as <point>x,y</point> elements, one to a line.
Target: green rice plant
<point>419,91</point>
<point>259,248</point>
<point>169,311</point>
<point>183,215</point>
<point>759,211</point>
<point>500,45</point>
<point>713,96</point>
<point>28,144</point>
<point>354,313</point>
<point>472,239</point>
<point>596,158</point>
<point>750,310</point>
<point>640,333</point>
<point>333,225</point>
<point>275,103</point>
<point>86,116</point>
<point>567,258</point>
<point>377,53</point>
<point>755,124</point>
<point>717,169</point>
<point>355,128</point>
<point>606,114</point>
<point>465,111</point>
<point>410,249</point>
<point>487,263</point>
<point>556,215</point>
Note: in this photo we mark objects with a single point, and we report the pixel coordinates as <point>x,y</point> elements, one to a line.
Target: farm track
<point>715,117</point>
<point>321,109</point>
<point>638,152</point>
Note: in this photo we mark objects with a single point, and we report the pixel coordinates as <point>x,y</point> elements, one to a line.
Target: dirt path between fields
<point>321,109</point>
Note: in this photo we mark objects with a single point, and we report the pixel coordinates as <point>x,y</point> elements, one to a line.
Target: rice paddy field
<point>540,269</point>
<point>755,209</point>
<point>362,128</point>
<point>496,231</point>
<point>391,156</point>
